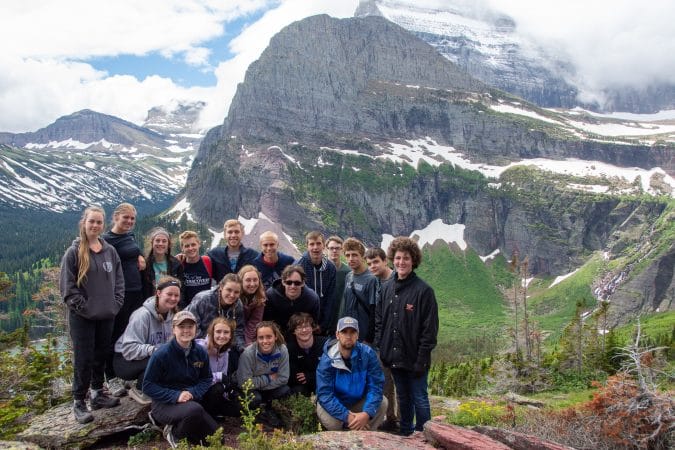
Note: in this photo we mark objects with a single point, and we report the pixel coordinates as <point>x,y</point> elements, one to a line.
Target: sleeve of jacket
<point>252,322</point>
<point>374,383</point>
<point>72,295</point>
<point>325,378</point>
<point>196,307</point>
<point>316,310</point>
<point>284,370</point>
<point>327,307</point>
<point>245,371</point>
<point>240,331</point>
<point>428,331</point>
<point>134,340</point>
<point>152,381</point>
<point>205,377</point>
<point>379,306</point>
<point>119,281</point>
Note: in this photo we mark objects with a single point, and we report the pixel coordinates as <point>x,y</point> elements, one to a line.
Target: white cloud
<point>612,43</point>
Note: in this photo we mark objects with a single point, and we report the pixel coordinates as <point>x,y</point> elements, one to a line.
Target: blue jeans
<point>413,399</point>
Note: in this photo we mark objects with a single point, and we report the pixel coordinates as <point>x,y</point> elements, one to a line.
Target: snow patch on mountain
<point>436,229</point>
<point>562,278</point>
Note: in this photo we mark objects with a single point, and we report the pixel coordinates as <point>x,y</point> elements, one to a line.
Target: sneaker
<point>116,387</point>
<point>168,435</point>
<point>139,396</point>
<point>100,399</point>
<point>82,414</point>
<point>390,425</point>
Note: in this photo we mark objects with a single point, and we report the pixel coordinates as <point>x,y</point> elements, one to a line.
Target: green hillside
<point>472,312</point>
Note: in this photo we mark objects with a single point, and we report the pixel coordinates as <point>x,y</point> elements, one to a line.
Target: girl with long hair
<point>253,298</point>
<point>92,286</point>
<point>222,398</point>
<point>160,262</point>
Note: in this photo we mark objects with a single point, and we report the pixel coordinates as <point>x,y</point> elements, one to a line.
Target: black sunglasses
<point>293,283</point>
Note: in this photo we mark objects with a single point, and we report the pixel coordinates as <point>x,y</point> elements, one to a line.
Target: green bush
<point>298,413</point>
<point>478,413</point>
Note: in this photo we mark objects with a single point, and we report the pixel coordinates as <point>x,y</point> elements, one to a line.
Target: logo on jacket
<point>409,307</point>
<point>198,364</point>
<point>107,266</point>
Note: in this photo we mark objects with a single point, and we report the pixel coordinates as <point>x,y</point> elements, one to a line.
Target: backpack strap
<point>207,263</point>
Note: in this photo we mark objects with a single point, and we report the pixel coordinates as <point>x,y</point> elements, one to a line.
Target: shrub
<point>479,413</point>
<point>298,413</point>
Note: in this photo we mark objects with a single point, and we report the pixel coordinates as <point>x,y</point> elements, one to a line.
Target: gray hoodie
<point>147,330</point>
<point>258,367</point>
<point>101,294</point>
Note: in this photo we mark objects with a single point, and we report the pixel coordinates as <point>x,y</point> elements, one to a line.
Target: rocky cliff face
<point>311,136</point>
<point>486,44</point>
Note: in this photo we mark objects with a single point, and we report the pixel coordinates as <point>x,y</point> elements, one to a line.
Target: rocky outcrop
<point>457,438</point>
<point>348,440</point>
<point>57,428</point>
<point>519,441</point>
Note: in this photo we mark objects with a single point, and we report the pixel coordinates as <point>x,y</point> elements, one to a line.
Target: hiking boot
<point>390,425</point>
<point>269,418</point>
<point>100,399</point>
<point>116,387</point>
<point>138,396</point>
<point>168,435</point>
<point>82,414</point>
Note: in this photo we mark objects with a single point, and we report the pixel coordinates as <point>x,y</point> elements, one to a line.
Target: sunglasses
<point>293,283</point>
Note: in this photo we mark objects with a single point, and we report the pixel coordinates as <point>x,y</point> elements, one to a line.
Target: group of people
<point>185,333</point>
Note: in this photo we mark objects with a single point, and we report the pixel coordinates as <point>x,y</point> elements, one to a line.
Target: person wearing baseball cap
<point>349,382</point>
<point>176,379</point>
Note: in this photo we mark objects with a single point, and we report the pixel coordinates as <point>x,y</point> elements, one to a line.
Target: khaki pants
<point>330,423</point>
<point>390,395</point>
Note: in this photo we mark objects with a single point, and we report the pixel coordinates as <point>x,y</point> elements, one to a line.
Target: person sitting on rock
<point>149,327</point>
<point>265,363</point>
<point>349,382</point>
<point>176,379</point>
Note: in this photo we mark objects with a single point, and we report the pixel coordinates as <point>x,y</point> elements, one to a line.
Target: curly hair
<point>405,244</point>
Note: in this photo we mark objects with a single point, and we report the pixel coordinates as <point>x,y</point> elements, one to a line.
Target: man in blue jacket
<point>349,382</point>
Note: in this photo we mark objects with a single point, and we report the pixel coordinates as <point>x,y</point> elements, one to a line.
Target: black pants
<point>215,403</point>
<point>189,420</point>
<point>130,370</point>
<point>132,301</point>
<point>261,396</point>
<point>91,341</point>
<point>303,389</point>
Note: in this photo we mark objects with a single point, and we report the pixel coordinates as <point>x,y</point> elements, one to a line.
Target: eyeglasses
<point>293,283</point>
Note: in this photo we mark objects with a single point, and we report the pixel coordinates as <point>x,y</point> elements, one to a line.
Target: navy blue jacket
<point>170,371</point>
<point>270,274</point>
<point>321,280</point>
<point>279,308</point>
<point>221,262</point>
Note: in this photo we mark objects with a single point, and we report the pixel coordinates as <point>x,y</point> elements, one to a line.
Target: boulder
<point>519,441</point>
<point>15,445</point>
<point>452,437</point>
<point>57,428</point>
<point>521,400</point>
<point>346,440</point>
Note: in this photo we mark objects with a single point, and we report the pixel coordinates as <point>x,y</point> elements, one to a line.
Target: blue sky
<point>123,57</point>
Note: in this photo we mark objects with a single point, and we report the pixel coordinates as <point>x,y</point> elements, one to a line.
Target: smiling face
<point>269,247</point>
<point>190,248</point>
<point>403,264</point>
<point>160,245</point>
<point>93,225</point>
<point>266,339</point>
<point>123,221</point>
<point>185,333</point>
<point>293,285</point>
<point>233,235</point>
<point>222,334</point>
<point>167,299</point>
<point>250,282</point>
<point>303,332</point>
<point>315,250</point>
<point>229,293</point>
<point>347,338</point>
